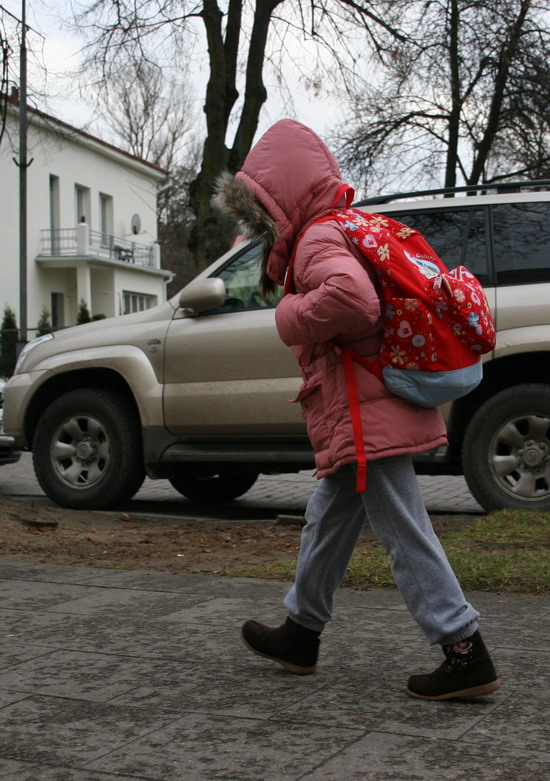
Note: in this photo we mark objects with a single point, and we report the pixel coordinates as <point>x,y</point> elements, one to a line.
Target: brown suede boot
<point>290,644</point>
<point>467,672</point>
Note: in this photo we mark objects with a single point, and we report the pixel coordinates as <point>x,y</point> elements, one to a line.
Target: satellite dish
<point>136,224</point>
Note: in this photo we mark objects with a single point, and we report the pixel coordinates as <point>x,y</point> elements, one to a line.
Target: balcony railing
<point>81,241</point>
<point>59,242</point>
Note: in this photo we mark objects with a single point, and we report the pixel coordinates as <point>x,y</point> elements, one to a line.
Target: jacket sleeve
<point>336,297</point>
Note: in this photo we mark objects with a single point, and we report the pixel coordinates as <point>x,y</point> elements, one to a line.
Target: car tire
<point>87,450</point>
<point>219,486</point>
<point>506,450</point>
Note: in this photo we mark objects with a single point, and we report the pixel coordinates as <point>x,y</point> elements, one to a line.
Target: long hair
<point>268,287</point>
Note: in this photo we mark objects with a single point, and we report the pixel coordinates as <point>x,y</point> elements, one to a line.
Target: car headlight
<point>27,349</point>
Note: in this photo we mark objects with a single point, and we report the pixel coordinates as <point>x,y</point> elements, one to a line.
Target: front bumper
<point>17,395</point>
<point>9,454</point>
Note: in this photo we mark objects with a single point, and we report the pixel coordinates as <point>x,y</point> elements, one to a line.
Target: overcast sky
<point>57,48</point>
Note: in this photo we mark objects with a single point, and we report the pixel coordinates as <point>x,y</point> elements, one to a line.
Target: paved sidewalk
<point>118,676</point>
<point>272,494</point>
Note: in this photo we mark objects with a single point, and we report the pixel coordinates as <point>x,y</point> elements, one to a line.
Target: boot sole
<point>474,691</point>
<point>293,668</point>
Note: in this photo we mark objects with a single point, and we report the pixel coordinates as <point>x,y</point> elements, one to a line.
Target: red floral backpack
<point>437,322</point>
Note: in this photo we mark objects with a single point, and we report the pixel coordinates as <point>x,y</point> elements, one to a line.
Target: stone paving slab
<point>28,771</point>
<point>271,495</point>
<point>380,756</point>
<point>142,676</point>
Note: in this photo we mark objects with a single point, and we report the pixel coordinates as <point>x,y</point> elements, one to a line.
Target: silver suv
<point>195,390</point>
<point>8,452</point>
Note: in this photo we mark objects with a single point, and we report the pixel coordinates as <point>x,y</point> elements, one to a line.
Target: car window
<point>459,237</point>
<point>241,278</point>
<point>521,242</point>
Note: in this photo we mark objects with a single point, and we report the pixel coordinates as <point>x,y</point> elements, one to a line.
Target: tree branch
<point>505,60</point>
<point>255,93</point>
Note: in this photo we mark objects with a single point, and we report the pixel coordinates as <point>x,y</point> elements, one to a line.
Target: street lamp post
<point>23,164</point>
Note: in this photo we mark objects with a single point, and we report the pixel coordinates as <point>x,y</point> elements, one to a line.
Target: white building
<point>91,228</point>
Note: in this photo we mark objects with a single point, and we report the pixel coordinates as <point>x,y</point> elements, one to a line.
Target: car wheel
<point>506,450</point>
<point>218,486</point>
<point>87,450</point>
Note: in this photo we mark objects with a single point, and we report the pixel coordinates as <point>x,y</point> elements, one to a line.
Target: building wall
<point>9,221</point>
<point>76,161</point>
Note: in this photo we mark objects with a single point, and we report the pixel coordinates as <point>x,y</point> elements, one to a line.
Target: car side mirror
<point>203,295</point>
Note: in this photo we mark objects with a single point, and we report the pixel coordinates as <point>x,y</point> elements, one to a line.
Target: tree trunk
<point>507,54</point>
<point>456,105</point>
<point>255,92</point>
<point>212,233</point>
<point>217,108</point>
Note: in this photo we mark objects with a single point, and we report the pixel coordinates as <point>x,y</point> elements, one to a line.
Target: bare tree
<point>6,52</point>
<point>12,48</point>
<point>152,116</point>
<point>175,222</point>
<point>150,113</point>
<point>465,97</point>
<point>240,37</point>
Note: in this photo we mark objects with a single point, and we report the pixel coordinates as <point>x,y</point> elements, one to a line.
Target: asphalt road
<point>271,496</point>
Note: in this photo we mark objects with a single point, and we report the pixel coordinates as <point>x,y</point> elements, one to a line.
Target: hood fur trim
<point>233,198</point>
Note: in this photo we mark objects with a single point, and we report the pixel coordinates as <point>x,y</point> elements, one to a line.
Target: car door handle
<point>153,344</point>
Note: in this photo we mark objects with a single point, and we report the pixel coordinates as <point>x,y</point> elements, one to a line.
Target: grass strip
<point>505,551</point>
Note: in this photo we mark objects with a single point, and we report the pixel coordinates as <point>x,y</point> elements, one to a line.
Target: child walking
<point>289,180</point>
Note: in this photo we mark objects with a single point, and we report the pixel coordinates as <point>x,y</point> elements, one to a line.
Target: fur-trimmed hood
<point>294,176</point>
<point>236,200</point>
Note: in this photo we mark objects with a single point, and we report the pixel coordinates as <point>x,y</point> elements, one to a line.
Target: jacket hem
<point>388,453</point>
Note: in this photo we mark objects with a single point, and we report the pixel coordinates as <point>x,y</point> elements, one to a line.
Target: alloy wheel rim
<point>519,457</point>
<point>81,451</point>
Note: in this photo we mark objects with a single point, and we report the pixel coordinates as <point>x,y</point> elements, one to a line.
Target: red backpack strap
<point>349,357</point>
<point>344,189</point>
<point>289,279</point>
<point>348,191</point>
<point>357,426</point>
<point>374,367</point>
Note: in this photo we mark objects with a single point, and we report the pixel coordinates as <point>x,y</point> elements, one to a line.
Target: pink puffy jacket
<point>295,177</point>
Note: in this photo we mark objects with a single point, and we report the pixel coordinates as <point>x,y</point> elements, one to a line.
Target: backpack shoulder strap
<point>343,190</point>
<point>348,356</point>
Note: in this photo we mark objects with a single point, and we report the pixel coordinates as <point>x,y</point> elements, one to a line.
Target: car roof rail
<point>501,187</point>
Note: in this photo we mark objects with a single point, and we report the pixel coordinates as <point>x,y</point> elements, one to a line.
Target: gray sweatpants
<point>395,510</point>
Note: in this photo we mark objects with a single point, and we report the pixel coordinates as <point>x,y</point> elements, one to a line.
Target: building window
<point>58,310</point>
<point>106,217</point>
<point>82,196</point>
<point>137,302</point>
<point>54,213</point>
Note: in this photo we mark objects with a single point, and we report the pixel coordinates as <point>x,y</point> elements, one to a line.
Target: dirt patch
<point>57,536</point>
<point>52,535</point>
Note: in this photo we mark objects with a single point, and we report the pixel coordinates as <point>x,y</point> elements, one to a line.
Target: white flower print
<point>383,252</point>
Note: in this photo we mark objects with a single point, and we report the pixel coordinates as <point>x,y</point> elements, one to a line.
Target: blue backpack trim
<point>430,389</point>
